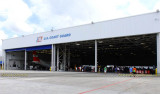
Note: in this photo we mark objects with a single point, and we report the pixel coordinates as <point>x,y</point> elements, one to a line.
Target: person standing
<point>115,69</point>
<point>153,71</point>
<point>134,71</point>
<point>75,68</point>
<point>80,68</point>
<point>130,70</point>
<point>118,70</point>
<point>105,69</point>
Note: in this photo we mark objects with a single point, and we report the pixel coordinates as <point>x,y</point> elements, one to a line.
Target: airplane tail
<point>36,60</point>
<point>35,57</point>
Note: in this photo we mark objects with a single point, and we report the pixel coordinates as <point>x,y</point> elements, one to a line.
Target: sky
<point>24,17</point>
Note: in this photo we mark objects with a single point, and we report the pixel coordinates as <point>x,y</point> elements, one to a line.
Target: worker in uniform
<point>75,68</point>
<point>134,71</point>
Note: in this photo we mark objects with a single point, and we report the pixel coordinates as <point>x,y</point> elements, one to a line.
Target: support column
<point>69,59</point>
<point>53,59</point>
<point>95,55</point>
<point>2,64</point>
<point>158,53</point>
<point>25,63</point>
<point>4,60</point>
<point>57,58</point>
<point>7,61</point>
<point>64,58</point>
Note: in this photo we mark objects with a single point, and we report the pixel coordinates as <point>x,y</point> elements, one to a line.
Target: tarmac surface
<point>46,82</point>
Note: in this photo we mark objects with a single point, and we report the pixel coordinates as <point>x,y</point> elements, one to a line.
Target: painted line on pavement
<point>106,86</point>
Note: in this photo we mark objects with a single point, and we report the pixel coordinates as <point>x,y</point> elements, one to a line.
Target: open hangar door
<point>138,51</point>
<point>35,58</point>
<point>72,56</point>
<point>39,58</point>
<point>15,59</point>
<point>130,51</point>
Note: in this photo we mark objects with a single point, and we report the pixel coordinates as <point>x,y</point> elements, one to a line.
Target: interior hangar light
<point>142,43</point>
<point>110,45</point>
<point>100,42</point>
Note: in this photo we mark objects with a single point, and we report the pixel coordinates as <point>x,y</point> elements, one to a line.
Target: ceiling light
<point>142,43</point>
<point>89,47</point>
<point>110,45</point>
<point>136,39</point>
<point>100,42</point>
<point>77,44</point>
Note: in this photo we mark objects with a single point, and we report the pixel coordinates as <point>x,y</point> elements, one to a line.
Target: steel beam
<point>158,53</point>
<point>69,59</point>
<point>25,63</point>
<point>4,60</point>
<point>95,55</point>
<point>64,58</point>
<point>53,59</point>
<point>57,58</point>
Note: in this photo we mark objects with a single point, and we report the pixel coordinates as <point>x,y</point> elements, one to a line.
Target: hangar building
<point>130,41</point>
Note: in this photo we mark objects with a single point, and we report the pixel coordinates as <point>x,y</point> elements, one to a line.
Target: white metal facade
<point>135,25</point>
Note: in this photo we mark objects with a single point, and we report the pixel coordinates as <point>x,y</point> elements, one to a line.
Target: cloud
<point>157,6</point>
<point>135,7</point>
<point>16,14</point>
<point>67,13</point>
<point>37,28</point>
<point>112,9</point>
<point>60,13</point>
<point>2,36</point>
<point>14,36</point>
<point>63,13</point>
